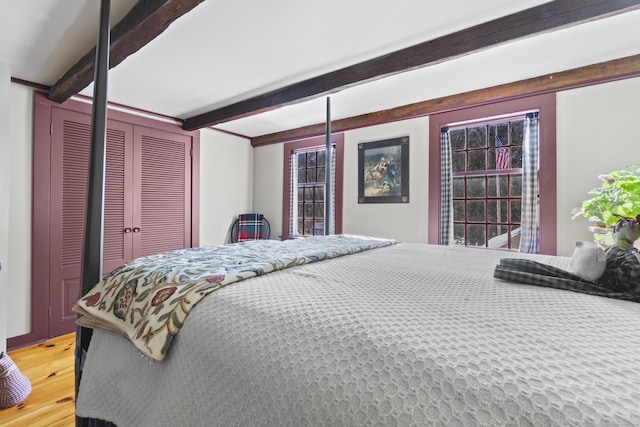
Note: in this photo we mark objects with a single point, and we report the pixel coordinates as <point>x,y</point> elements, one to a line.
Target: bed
<point>400,334</point>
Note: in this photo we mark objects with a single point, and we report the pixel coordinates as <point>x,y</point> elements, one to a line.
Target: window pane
<point>308,194</point>
<point>311,175</point>
<point>308,210</point>
<point>497,211</point>
<point>516,185</point>
<point>476,211</point>
<point>477,161</point>
<point>457,139</point>
<point>497,186</point>
<point>515,237</point>
<point>321,173</point>
<point>502,131</point>
<point>475,235</point>
<point>457,162</point>
<point>487,198</point>
<point>458,234</point>
<point>515,210</point>
<point>308,227</point>
<point>478,137</point>
<point>517,132</point>
<point>497,230</point>
<point>302,160</point>
<point>458,187</point>
<point>475,187</point>
<point>458,210</point>
<point>311,159</point>
<point>516,157</point>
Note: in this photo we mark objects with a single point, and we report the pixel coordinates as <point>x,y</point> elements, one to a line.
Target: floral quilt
<point>148,299</point>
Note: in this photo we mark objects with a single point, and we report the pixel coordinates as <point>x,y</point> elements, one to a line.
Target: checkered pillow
<point>250,227</point>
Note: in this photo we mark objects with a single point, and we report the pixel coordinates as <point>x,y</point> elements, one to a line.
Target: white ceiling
<point>226,51</point>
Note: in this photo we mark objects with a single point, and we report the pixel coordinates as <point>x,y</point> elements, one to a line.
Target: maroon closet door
<point>162,213</point>
<point>151,168</point>
<point>70,142</point>
<point>147,206</point>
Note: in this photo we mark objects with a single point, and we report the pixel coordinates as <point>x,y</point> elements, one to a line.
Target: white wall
<point>21,131</point>
<point>267,185</point>
<point>226,171</point>
<point>407,222</point>
<point>5,186</point>
<point>596,133</point>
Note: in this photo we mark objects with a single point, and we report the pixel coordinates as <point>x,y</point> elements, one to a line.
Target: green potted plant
<point>617,198</point>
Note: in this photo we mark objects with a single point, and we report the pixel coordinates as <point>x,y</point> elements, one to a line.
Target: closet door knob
<point>127,230</point>
<point>136,229</point>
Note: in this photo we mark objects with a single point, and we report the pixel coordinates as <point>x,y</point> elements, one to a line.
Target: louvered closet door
<point>117,244</point>
<point>162,213</point>
<point>71,139</point>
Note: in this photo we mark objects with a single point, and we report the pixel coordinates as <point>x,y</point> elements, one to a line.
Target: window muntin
<point>487,182</point>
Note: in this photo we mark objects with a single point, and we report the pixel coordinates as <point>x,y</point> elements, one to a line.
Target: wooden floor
<point>49,367</point>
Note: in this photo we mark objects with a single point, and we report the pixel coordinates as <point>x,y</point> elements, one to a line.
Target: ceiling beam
<point>546,17</point>
<point>146,20</point>
<point>578,77</point>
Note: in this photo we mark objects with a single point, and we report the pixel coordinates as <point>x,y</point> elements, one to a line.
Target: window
<point>487,183</point>
<point>487,180</point>
<point>308,173</point>
<point>304,186</point>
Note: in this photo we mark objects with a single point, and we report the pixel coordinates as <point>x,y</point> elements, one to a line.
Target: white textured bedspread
<point>408,334</point>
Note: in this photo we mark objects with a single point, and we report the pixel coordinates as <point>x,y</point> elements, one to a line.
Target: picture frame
<point>383,171</point>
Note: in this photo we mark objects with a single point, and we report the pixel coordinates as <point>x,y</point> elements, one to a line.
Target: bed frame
<point>92,250</point>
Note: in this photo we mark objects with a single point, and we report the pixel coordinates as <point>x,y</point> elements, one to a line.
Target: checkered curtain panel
<point>293,192</point>
<point>330,228</point>
<point>446,189</point>
<point>529,219</point>
<point>250,227</point>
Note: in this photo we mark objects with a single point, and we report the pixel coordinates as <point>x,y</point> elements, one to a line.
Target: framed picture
<point>383,171</point>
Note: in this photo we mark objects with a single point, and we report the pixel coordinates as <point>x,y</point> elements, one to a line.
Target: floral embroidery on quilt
<point>148,299</point>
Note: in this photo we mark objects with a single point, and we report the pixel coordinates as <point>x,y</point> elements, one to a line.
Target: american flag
<point>502,155</point>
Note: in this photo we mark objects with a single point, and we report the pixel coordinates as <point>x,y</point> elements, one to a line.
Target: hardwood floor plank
<point>50,368</point>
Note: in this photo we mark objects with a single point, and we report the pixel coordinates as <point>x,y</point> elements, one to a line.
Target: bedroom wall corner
<point>21,171</point>
<point>226,179</point>
<point>267,185</point>
<point>5,186</point>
